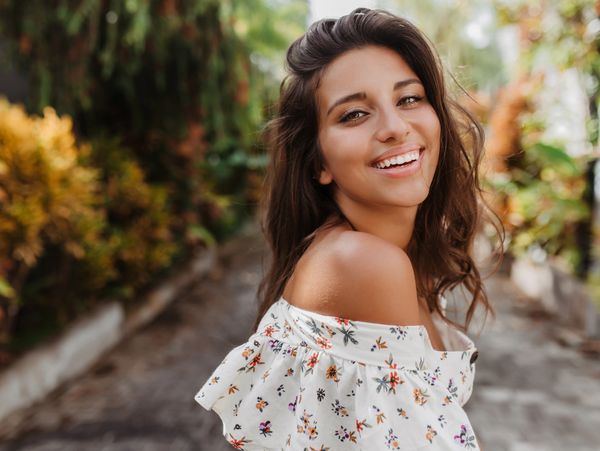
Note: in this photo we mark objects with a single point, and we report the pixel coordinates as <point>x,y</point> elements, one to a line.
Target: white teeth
<point>410,156</point>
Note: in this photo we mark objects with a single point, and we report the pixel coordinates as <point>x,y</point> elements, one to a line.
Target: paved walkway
<point>530,393</point>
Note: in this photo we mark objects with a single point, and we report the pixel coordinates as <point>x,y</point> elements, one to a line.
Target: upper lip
<point>395,152</point>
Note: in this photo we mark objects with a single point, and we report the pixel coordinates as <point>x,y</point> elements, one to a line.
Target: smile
<point>400,165</point>
<point>399,160</point>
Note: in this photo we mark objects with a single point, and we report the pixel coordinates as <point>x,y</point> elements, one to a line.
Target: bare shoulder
<point>363,277</point>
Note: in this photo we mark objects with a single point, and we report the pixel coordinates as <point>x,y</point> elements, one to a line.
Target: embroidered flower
<point>391,440</point>
<point>280,390</point>
<point>232,389</point>
<point>402,413</point>
<point>313,359</point>
<point>344,434</point>
<point>442,420</point>
<point>348,335</point>
<point>343,321</point>
<point>379,415</point>
<point>238,443</point>
<point>420,396</point>
<point>292,405</point>
<point>339,409</point>
<point>430,434</point>
<point>394,380</point>
<point>265,428</point>
<point>380,343</point>
<point>307,427</point>
<point>268,332</point>
<point>324,343</point>
<point>360,425</point>
<point>333,373</point>
<point>400,332</point>
<point>320,394</point>
<point>464,438</point>
<point>261,403</point>
<point>390,362</point>
<point>256,360</point>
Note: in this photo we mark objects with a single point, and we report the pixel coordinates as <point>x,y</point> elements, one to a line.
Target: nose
<point>391,125</point>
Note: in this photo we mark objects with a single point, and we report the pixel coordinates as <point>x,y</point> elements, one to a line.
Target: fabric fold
<point>311,381</point>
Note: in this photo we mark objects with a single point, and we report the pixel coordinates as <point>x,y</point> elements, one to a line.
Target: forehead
<point>362,69</point>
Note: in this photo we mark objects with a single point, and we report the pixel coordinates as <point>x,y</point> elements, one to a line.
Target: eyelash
<point>347,117</point>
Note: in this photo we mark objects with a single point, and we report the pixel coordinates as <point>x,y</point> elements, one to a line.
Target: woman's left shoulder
<point>362,277</point>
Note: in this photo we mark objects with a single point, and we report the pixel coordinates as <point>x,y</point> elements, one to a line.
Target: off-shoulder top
<point>307,381</point>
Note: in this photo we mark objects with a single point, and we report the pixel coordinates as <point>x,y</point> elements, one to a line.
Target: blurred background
<point>129,143</point>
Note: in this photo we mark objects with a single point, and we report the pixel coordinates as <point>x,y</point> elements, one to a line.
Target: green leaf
<point>197,231</point>
<point>554,156</point>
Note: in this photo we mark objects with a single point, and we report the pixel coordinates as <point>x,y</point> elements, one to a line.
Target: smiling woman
<point>366,136</point>
<point>372,206</point>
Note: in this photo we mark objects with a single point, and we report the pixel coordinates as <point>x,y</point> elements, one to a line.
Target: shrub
<point>77,223</point>
<point>46,199</point>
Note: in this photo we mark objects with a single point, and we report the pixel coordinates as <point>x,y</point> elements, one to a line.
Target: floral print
<point>306,381</point>
<point>464,437</point>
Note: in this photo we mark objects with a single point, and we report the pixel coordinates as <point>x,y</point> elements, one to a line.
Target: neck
<point>394,225</point>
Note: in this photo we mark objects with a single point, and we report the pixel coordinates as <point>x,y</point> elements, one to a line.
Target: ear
<point>325,177</point>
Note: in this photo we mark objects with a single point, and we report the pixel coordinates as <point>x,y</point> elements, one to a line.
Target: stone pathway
<point>530,393</point>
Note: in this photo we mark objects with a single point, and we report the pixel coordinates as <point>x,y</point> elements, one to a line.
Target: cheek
<point>433,125</point>
<point>438,139</point>
<point>431,131</point>
<point>339,149</point>
<point>438,129</point>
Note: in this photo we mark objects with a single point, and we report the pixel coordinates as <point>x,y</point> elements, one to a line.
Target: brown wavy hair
<point>296,205</point>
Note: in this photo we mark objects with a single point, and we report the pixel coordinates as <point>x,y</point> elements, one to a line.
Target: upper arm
<point>363,277</point>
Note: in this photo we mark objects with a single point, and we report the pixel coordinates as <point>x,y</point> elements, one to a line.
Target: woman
<point>372,208</point>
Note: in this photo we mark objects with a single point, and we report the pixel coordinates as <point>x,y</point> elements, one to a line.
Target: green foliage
<point>267,27</point>
<point>562,33</point>
<point>543,194</point>
<point>71,233</point>
<point>547,189</point>
<point>174,80</point>
<point>544,200</point>
<point>171,95</point>
<point>140,223</point>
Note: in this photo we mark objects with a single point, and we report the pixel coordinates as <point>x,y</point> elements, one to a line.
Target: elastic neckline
<point>357,321</point>
<point>420,328</point>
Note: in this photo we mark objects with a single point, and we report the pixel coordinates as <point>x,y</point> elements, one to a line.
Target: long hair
<point>296,205</point>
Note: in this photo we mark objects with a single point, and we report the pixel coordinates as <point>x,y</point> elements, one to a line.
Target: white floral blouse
<point>306,381</point>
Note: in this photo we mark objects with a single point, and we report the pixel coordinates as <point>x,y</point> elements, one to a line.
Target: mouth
<point>406,159</point>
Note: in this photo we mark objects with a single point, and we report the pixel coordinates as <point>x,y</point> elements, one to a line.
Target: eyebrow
<point>362,95</point>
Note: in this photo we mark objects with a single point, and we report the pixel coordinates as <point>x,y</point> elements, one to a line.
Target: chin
<point>412,201</point>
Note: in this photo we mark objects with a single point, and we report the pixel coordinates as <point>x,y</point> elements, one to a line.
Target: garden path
<point>530,393</point>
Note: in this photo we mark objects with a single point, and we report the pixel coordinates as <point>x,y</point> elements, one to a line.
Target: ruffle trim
<point>267,392</point>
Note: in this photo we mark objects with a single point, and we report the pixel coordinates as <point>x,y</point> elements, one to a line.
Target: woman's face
<point>374,114</point>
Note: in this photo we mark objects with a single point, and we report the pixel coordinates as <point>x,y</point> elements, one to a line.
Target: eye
<point>352,116</point>
<point>410,100</point>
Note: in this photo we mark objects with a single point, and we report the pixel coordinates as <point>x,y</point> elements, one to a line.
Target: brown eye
<point>352,116</point>
<point>410,100</point>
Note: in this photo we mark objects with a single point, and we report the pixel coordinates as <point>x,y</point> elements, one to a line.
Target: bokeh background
<point>130,142</point>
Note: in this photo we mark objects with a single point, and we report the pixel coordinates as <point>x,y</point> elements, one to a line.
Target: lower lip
<point>402,171</point>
